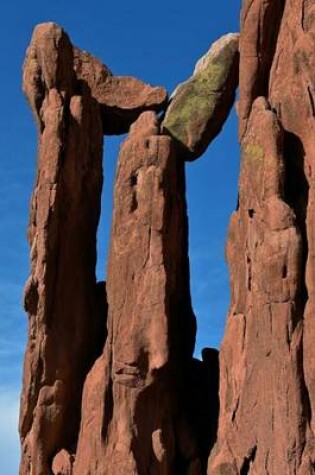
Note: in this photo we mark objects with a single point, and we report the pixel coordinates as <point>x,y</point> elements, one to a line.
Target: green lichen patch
<point>200,106</point>
<point>253,152</point>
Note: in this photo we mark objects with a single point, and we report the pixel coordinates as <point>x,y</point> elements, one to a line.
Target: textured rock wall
<point>62,331</point>
<point>267,363</point>
<point>131,418</point>
<point>67,309</point>
<point>130,398</point>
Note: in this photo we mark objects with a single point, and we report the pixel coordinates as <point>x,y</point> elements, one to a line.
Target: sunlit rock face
<point>60,294</point>
<point>200,106</point>
<point>68,91</point>
<point>131,402</point>
<point>110,383</point>
<point>267,359</point>
<point>108,395</point>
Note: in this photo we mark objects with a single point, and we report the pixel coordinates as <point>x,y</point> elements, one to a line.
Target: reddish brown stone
<point>62,463</point>
<point>130,403</point>
<point>146,401</point>
<point>121,98</point>
<point>260,22</point>
<point>261,388</point>
<point>267,360</point>
<point>60,295</point>
<point>292,94</point>
<point>67,310</point>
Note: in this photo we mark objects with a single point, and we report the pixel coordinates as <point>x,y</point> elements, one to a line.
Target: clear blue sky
<point>158,42</point>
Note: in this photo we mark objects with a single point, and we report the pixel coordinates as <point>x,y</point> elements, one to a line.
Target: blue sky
<point>158,42</point>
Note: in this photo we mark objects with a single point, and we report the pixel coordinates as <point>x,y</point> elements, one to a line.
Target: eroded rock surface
<point>260,359</point>
<point>260,23</point>
<point>67,309</point>
<point>131,410</point>
<point>60,295</point>
<point>200,106</point>
<point>130,399</point>
<point>267,362</point>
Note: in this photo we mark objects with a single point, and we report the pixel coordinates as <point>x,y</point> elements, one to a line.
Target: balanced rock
<point>200,106</point>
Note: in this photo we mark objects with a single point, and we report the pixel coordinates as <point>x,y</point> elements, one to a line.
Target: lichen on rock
<point>200,106</point>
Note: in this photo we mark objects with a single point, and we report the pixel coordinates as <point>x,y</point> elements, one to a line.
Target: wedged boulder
<point>132,396</point>
<point>200,106</point>
<point>121,98</point>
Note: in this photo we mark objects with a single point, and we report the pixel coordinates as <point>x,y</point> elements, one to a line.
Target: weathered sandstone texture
<point>132,421</point>
<point>200,106</point>
<point>60,294</point>
<point>267,359</point>
<point>66,307</point>
<point>121,98</point>
<point>110,383</point>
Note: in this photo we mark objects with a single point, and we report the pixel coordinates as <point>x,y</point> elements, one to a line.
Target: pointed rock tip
<point>146,125</point>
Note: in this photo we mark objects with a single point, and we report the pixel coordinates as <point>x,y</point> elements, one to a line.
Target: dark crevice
<point>296,193</point>
<point>133,180</point>
<point>297,196</point>
<point>249,273</point>
<point>284,272</point>
<point>134,203</point>
<point>203,407</point>
<point>248,461</point>
<point>251,213</point>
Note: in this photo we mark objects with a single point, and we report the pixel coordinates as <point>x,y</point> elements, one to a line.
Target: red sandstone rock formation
<point>131,410</point>
<point>67,310</point>
<point>60,293</point>
<point>267,362</point>
<point>141,404</point>
<point>121,98</point>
